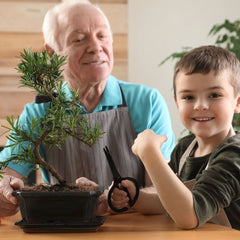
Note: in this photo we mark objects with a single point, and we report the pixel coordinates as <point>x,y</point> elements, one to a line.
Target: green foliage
<point>42,72</point>
<point>227,36</point>
<point>176,55</point>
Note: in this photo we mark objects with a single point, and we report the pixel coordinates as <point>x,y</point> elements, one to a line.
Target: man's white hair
<point>50,22</point>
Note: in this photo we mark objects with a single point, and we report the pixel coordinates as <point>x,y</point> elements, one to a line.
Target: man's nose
<point>94,45</point>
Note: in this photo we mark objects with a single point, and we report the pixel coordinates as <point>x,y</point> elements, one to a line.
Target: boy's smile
<point>206,104</point>
<point>202,119</point>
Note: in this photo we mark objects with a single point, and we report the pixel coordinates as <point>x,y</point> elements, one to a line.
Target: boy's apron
<point>76,159</point>
<point>221,218</point>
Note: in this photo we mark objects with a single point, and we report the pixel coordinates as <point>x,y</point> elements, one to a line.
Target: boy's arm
<point>149,202</point>
<point>175,197</point>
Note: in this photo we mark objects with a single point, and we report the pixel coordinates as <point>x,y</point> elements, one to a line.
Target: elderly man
<point>82,32</point>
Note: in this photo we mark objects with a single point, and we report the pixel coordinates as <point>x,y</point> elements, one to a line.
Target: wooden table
<point>125,227</point>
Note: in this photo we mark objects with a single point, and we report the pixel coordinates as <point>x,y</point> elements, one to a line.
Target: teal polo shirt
<point>147,108</point>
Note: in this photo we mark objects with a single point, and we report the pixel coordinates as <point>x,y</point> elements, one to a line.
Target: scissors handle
<point>131,201</point>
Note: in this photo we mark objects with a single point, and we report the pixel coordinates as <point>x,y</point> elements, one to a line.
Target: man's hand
<point>82,181</point>
<point>102,207</point>
<point>8,203</point>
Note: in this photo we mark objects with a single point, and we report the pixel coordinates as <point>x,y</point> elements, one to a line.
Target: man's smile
<point>95,63</point>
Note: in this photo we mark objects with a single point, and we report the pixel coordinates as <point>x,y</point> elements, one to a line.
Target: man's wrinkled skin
<point>102,208</point>
<point>8,183</point>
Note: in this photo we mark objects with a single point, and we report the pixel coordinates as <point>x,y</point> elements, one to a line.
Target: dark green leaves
<point>176,55</point>
<point>41,71</point>
<point>228,36</point>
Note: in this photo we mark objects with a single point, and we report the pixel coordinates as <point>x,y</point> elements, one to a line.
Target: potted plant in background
<point>51,206</point>
<point>227,36</point>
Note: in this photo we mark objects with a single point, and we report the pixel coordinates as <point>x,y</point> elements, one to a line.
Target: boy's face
<point>206,103</point>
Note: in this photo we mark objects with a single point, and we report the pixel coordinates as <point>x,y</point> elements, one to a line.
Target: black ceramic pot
<point>58,207</point>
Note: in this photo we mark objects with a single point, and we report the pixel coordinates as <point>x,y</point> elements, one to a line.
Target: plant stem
<point>39,160</point>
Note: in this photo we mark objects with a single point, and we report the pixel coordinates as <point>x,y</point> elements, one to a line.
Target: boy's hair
<point>206,59</point>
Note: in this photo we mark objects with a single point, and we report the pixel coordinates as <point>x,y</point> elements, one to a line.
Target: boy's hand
<point>119,197</point>
<point>146,141</point>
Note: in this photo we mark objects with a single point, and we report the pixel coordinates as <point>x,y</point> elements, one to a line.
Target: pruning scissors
<point>117,179</point>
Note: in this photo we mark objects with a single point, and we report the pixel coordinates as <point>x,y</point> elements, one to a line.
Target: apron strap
<point>185,155</point>
<point>124,104</point>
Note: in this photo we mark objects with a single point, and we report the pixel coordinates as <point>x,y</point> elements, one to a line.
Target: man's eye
<point>102,36</point>
<point>78,40</point>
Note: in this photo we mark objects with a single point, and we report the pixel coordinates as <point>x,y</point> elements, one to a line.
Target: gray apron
<point>221,218</point>
<point>76,159</point>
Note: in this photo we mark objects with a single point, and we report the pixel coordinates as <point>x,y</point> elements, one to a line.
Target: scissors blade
<point>113,168</point>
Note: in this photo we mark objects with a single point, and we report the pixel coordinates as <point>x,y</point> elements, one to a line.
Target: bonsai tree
<point>227,36</point>
<point>42,72</point>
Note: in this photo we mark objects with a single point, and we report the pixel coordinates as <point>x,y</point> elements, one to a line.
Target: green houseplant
<point>227,36</point>
<point>42,72</point>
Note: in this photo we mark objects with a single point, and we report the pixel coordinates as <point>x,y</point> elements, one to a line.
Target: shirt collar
<point>112,96</point>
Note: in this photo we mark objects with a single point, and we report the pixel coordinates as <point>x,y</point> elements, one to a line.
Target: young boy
<point>206,92</point>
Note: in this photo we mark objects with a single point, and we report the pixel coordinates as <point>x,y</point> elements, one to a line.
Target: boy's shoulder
<point>232,142</point>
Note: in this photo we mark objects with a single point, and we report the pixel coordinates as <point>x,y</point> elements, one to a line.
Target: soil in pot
<point>44,187</point>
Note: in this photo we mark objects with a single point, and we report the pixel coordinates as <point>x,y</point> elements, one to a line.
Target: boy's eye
<point>188,97</point>
<point>214,95</point>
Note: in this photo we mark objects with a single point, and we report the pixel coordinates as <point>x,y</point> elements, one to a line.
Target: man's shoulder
<point>130,88</point>
<point>138,94</point>
<point>126,84</point>
<point>34,109</point>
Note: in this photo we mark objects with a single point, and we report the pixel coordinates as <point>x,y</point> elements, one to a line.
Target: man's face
<point>86,39</point>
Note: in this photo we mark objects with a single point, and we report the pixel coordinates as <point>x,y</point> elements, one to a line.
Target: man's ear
<point>49,49</point>
<point>237,108</point>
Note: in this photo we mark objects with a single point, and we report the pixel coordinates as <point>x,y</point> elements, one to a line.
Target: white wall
<point>158,28</point>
